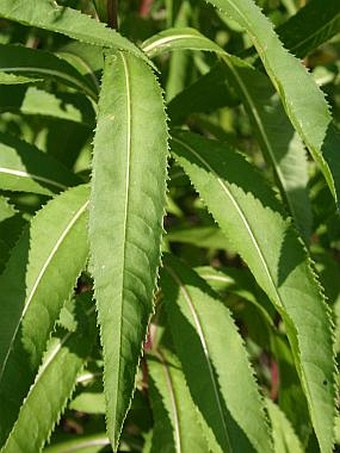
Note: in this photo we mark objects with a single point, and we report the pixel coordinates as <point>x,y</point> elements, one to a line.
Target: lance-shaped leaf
<point>25,168</point>
<point>301,97</point>
<point>279,143</point>
<point>207,94</point>
<point>179,38</point>
<point>40,275</point>
<point>214,361</point>
<point>53,385</point>
<point>285,439</point>
<point>70,22</point>
<point>22,61</point>
<point>32,101</point>
<point>176,423</point>
<point>81,444</point>
<point>249,214</point>
<point>314,24</point>
<point>126,211</point>
<point>11,225</point>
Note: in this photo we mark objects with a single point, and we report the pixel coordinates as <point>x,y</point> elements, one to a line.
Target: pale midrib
<point>162,42</point>
<point>241,215</point>
<point>200,333</point>
<point>39,277</point>
<point>126,209</point>
<point>316,33</point>
<point>174,404</point>
<point>262,131</point>
<point>257,119</point>
<point>24,174</point>
<point>41,372</point>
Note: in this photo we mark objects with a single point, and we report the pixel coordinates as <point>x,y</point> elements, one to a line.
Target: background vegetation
<point>218,123</point>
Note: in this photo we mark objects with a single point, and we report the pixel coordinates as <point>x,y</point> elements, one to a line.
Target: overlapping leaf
<point>178,38</point>
<point>302,99</point>
<point>33,101</point>
<point>127,207</point>
<point>249,214</point>
<point>285,439</point>
<point>176,424</point>
<point>56,378</point>
<point>11,225</point>
<point>314,24</point>
<point>48,15</point>
<point>279,143</point>
<point>207,342</point>
<point>22,61</point>
<point>40,275</point>
<point>25,168</point>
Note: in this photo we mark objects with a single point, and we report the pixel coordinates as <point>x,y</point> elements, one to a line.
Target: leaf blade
<point>279,270</point>
<point>311,119</point>
<point>130,154</point>
<point>29,307</point>
<point>202,327</point>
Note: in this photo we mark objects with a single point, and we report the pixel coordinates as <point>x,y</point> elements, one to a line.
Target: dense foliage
<point>170,236</point>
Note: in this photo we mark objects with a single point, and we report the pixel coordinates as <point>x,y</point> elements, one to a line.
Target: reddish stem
<point>145,8</point>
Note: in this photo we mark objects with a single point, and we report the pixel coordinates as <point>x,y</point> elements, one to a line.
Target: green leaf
<point>179,38</point>
<point>22,61</point>
<point>56,378</point>
<point>208,93</point>
<point>25,168</point>
<point>207,237</point>
<point>271,248</point>
<point>81,444</point>
<point>207,341</point>
<point>11,225</point>
<point>12,79</point>
<point>285,439</point>
<point>176,425</point>
<point>40,275</point>
<point>303,101</point>
<point>48,15</point>
<point>127,207</point>
<point>279,143</point>
<point>313,25</point>
<point>33,101</point>
<point>241,283</point>
<point>89,402</point>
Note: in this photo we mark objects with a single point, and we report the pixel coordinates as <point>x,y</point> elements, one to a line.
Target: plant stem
<point>112,13</point>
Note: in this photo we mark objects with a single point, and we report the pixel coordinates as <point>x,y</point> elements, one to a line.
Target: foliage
<point>169,225</point>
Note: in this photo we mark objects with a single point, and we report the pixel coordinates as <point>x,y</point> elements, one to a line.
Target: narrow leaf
<point>279,143</point>
<point>270,246</point>
<point>33,101</point>
<point>311,119</point>
<point>313,25</point>
<point>179,38</point>
<point>53,385</point>
<point>60,19</point>
<point>207,342</point>
<point>39,277</point>
<point>22,61</point>
<point>285,439</point>
<point>25,168</point>
<point>11,225</point>
<point>81,444</point>
<point>127,207</point>
<point>176,426</point>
